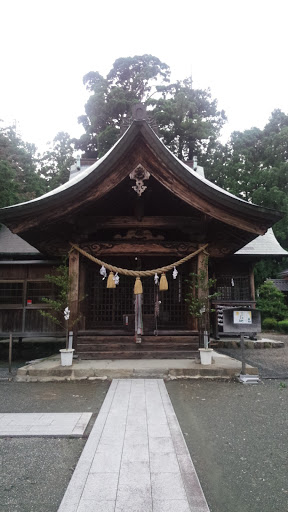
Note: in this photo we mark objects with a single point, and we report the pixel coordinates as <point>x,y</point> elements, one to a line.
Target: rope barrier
<point>138,273</point>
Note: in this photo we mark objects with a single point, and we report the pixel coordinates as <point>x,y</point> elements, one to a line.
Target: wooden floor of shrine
<point>119,345</point>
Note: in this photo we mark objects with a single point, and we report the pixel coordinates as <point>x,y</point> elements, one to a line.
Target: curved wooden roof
<point>139,144</point>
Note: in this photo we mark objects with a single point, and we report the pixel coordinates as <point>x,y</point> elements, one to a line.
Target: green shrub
<point>271,302</point>
<point>283,326</point>
<point>270,324</point>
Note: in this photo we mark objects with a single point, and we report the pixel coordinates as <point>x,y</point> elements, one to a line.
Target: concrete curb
<point>49,370</point>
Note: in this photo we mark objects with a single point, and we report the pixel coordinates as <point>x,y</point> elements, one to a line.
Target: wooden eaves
<point>139,144</point>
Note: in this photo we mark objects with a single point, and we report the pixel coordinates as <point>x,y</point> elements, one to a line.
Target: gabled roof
<point>265,245</point>
<point>196,190</point>
<point>11,244</point>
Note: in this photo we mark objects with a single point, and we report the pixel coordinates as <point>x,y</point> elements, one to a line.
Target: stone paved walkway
<point>44,424</point>
<point>135,459</point>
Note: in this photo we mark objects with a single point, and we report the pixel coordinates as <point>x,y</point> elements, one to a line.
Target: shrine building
<point>137,209</point>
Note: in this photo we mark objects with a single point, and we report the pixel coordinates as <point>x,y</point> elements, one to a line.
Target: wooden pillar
<point>74,293</point>
<point>252,282</point>
<point>202,266</point>
<point>192,322</point>
<point>82,290</point>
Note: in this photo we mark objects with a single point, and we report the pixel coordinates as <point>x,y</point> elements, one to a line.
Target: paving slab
<point>136,458</point>
<point>44,424</point>
<point>49,369</point>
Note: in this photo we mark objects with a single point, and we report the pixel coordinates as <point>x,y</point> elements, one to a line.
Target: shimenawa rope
<point>138,273</point>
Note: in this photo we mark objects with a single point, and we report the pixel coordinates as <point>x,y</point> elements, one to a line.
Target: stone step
<point>131,339</point>
<point>113,347</point>
<point>124,332</point>
<point>136,354</point>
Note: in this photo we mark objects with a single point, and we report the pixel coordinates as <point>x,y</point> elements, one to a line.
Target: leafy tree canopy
<point>269,269</point>
<point>8,185</point>
<point>188,119</point>
<point>56,162</point>
<point>271,302</point>
<point>254,166</point>
<point>130,81</point>
<point>19,176</point>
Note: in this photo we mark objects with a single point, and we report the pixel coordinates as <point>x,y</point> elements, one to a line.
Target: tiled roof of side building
<point>263,245</point>
<point>281,284</point>
<point>13,244</point>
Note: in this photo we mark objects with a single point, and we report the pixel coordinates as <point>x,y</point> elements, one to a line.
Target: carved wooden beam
<point>171,222</point>
<point>134,248</point>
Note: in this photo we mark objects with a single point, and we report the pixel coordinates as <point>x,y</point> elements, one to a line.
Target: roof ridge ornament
<point>139,113</point>
<point>139,174</point>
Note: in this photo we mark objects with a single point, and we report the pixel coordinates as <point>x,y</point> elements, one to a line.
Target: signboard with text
<point>242,317</point>
<point>241,320</point>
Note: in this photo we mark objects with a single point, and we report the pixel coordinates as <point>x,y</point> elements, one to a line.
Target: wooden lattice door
<point>109,308</point>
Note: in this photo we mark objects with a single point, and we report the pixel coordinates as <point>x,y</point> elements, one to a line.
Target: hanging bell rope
<point>138,273</point>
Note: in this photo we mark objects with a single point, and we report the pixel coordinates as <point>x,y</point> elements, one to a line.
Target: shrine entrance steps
<point>122,346</point>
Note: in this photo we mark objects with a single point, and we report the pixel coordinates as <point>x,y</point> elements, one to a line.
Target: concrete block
<point>136,503</point>
<point>94,505</point>
<point>140,491</point>
<point>160,462</point>
<point>106,462</point>
<point>156,430</point>
<point>101,487</point>
<point>136,473</point>
<point>171,506</point>
<point>135,452</point>
<point>161,445</point>
<point>169,485</point>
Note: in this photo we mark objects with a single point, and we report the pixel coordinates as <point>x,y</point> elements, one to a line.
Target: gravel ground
<point>35,472</point>
<point>271,363</point>
<point>236,434</point>
<point>238,439</point>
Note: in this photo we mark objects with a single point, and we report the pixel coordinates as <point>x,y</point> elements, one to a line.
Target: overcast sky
<point>238,49</point>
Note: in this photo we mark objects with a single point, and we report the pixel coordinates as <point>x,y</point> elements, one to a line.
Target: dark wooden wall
<point>21,289</point>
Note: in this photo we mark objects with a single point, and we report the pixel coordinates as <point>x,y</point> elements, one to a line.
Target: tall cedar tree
<point>130,81</point>
<point>188,119</point>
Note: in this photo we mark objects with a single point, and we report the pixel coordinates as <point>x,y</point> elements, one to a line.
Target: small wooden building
<point>137,208</point>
